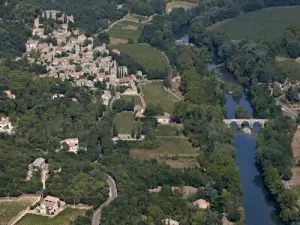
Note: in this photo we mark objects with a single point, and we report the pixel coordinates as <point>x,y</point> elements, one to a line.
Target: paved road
<point>113,193</point>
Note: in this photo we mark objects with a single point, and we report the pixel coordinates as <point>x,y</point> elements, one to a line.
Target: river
<point>259,209</point>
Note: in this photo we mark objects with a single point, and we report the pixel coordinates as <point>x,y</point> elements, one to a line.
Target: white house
<point>5,125</point>
<point>201,204</point>
<point>73,144</point>
<point>9,94</point>
<point>170,222</point>
<point>50,205</point>
<point>165,119</point>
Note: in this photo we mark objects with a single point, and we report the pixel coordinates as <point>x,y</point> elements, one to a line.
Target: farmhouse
<point>39,163</point>
<point>170,222</point>
<point>201,204</point>
<point>163,119</point>
<point>73,144</point>
<point>49,206</point>
<point>9,94</point>
<point>5,125</point>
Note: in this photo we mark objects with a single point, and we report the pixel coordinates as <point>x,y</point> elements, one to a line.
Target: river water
<point>259,210</point>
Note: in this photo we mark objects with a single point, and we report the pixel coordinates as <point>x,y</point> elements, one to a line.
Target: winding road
<point>113,193</point>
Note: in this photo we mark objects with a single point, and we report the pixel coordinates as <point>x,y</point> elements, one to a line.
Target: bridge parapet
<point>240,122</point>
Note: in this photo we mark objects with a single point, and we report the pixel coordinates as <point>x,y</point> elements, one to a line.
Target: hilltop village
<point>68,53</point>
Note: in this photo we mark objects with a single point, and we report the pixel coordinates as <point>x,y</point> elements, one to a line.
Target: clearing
<point>125,122</point>
<point>149,57</point>
<point>136,99</point>
<point>265,24</point>
<point>179,4</point>
<point>125,30</point>
<point>9,208</point>
<point>63,218</point>
<point>154,93</point>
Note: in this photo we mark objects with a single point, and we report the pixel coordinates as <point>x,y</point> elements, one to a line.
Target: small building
<point>170,222</point>
<point>116,51</point>
<point>50,205</point>
<point>165,119</point>
<point>9,94</point>
<point>125,81</point>
<point>39,163</point>
<point>201,204</point>
<point>73,144</point>
<point>106,97</point>
<point>155,190</point>
<point>5,125</point>
<point>31,45</point>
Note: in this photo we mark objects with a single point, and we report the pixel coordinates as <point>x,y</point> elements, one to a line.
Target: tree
<point>241,113</point>
<point>138,133</point>
<point>78,68</point>
<point>115,131</point>
<point>133,133</point>
<point>277,91</point>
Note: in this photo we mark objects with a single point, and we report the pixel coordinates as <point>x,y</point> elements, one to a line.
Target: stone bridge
<point>240,122</point>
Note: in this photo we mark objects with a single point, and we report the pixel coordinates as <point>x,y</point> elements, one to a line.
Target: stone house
<point>106,97</point>
<point>73,144</point>
<point>38,164</point>
<point>49,206</point>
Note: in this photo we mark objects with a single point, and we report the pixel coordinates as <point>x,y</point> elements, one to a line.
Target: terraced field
<point>264,24</point>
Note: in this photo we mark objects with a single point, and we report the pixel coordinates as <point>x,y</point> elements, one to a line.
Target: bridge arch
<point>240,122</point>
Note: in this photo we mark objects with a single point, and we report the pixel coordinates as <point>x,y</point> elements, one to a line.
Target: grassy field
<point>291,69</point>
<point>137,99</point>
<point>10,208</point>
<point>264,24</point>
<point>179,4</point>
<point>167,130</point>
<point>125,122</point>
<point>125,30</point>
<point>147,56</point>
<point>155,94</point>
<point>63,218</point>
